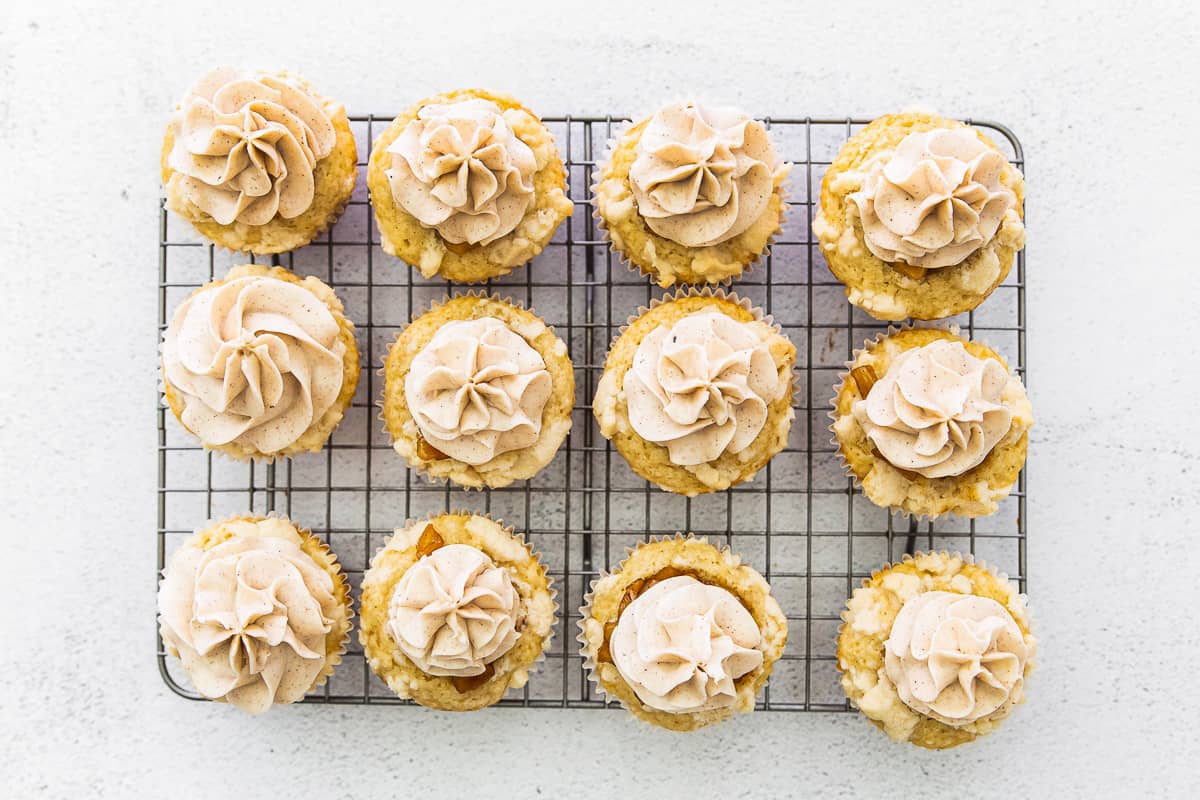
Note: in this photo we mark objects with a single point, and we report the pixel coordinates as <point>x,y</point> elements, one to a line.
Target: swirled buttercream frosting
<point>246,145</point>
<point>935,199</point>
<point>702,174</point>
<point>256,360</point>
<point>478,390</point>
<point>682,644</point>
<point>460,168</point>
<point>701,387</point>
<point>249,617</point>
<point>938,410</point>
<point>454,612</point>
<point>956,658</point>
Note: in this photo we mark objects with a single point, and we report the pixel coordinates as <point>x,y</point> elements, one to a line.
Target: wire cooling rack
<point>800,521</point>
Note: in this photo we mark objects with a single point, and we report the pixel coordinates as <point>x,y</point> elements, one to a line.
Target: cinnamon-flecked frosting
<point>681,644</point>
<point>701,387</point>
<point>459,168</point>
<point>249,617</point>
<point>938,410</point>
<point>246,144</point>
<point>454,612</point>
<point>934,200</point>
<point>257,361</point>
<point>703,174</point>
<point>477,390</point>
<point>956,658</point>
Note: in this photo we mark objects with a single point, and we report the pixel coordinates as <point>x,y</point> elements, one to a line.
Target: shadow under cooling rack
<point>800,521</point>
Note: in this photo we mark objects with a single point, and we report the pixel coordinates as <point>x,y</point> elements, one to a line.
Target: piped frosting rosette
<point>701,175</point>
<point>456,610</point>
<point>710,385</point>
<point>261,363</point>
<point>257,160</point>
<point>478,390</point>
<point>936,649</point>
<point>256,609</point>
<point>681,633</point>
<point>926,423</point>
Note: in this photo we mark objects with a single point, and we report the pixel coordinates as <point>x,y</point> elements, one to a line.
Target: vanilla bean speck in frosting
<point>477,390</point>
<point>935,199</point>
<point>956,658</point>
<point>703,174</point>
<point>682,644</point>
<point>256,360</point>
<point>246,145</point>
<point>460,168</point>
<point>454,612</point>
<point>938,411</point>
<point>249,617</point>
<point>701,387</point>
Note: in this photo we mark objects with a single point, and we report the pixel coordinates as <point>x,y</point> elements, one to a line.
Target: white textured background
<point>1104,100</point>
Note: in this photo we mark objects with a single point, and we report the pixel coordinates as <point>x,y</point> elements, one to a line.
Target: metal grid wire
<point>800,521</point>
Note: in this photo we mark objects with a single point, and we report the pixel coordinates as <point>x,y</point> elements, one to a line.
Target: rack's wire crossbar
<point>800,521</point>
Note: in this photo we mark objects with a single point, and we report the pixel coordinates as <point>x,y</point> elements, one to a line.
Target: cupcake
<point>478,391</point>
<point>456,610</point>
<point>261,363</point>
<point>693,194</point>
<point>258,161</point>
<point>682,634</point>
<point>921,216</point>
<point>696,392</point>
<point>930,424</point>
<point>935,650</point>
<point>257,611</point>
<point>467,185</point>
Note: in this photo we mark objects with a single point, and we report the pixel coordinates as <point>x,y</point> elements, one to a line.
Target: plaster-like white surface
<point>1104,101</point>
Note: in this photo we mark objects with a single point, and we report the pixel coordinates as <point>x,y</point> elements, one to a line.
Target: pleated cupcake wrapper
<point>381,371</point>
<point>333,660</point>
<point>589,663</point>
<point>620,129</point>
<point>844,375</point>
<point>551,587</point>
<point>161,384</point>
<point>967,558</point>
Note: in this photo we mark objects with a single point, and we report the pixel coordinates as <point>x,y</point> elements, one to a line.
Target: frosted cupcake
<point>258,161</point>
<point>261,363</point>
<point>467,185</point>
<point>935,650</point>
<point>478,391</point>
<point>921,216</point>
<point>693,194</point>
<point>932,424</point>
<point>456,610</point>
<point>696,392</point>
<point>257,611</point>
<point>682,634</point>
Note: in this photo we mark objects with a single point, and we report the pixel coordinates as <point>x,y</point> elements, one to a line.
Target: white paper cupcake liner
<point>551,588</point>
<point>381,371</point>
<point>844,375</point>
<point>620,130</point>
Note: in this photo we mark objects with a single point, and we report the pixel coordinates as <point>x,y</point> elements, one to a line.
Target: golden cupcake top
<point>256,359</point>
<point>246,144</point>
<point>248,612</point>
